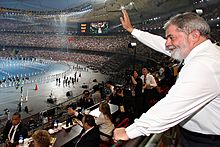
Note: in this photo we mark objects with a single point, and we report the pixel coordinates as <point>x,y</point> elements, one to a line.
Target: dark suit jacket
<point>85,103</point>
<point>21,130</point>
<point>90,139</point>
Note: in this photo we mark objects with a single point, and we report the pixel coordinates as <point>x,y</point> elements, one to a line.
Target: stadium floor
<point>37,99</point>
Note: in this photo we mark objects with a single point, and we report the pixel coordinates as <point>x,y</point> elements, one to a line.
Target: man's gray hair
<point>188,22</point>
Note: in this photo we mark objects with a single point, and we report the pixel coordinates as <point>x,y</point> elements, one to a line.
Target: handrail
<point>167,138</point>
<point>154,140</point>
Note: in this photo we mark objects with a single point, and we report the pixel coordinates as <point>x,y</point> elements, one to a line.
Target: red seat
<point>124,123</point>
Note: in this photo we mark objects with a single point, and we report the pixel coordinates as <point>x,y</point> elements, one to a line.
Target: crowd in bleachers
<point>112,44</point>
<point>114,64</point>
<point>64,56</point>
<point>30,25</point>
<point>107,44</point>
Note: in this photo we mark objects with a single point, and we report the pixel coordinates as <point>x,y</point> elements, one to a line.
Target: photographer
<point>136,90</point>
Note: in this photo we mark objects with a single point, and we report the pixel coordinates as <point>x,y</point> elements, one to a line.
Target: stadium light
<point>132,45</point>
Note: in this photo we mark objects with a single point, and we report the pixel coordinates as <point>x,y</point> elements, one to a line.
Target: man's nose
<point>168,42</point>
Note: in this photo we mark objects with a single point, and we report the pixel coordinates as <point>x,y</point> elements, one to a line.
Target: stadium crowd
<point>112,44</point>
<point>90,59</point>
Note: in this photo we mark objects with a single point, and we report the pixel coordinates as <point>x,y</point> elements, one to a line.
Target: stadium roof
<point>95,10</point>
<point>42,5</point>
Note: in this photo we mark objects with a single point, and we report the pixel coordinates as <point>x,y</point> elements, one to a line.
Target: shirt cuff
<point>132,131</point>
<point>136,32</point>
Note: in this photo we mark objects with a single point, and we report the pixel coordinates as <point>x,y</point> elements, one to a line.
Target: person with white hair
<point>193,101</point>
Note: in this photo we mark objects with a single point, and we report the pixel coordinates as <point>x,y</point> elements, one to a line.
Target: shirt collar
<point>89,129</point>
<point>16,126</point>
<point>197,49</point>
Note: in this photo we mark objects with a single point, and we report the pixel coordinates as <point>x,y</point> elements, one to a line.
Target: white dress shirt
<point>149,80</point>
<point>13,135</point>
<point>194,100</point>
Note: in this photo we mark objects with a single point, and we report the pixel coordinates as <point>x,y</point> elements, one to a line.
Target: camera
<point>128,74</point>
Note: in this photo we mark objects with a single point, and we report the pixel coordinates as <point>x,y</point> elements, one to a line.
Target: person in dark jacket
<point>13,130</point>
<point>89,136</point>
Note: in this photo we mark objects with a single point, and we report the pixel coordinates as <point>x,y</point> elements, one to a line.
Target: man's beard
<point>175,52</point>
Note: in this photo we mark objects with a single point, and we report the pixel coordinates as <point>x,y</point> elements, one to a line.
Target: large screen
<point>97,28</point>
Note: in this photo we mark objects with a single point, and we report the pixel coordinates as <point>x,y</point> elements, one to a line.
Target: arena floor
<point>37,99</point>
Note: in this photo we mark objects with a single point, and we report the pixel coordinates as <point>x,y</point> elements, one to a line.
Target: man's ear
<point>86,126</point>
<point>195,35</point>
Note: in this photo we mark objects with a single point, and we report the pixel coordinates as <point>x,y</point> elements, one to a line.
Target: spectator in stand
<point>117,97</point>
<point>89,136</point>
<point>41,138</point>
<point>96,96</point>
<point>86,101</point>
<point>136,90</point>
<point>13,130</point>
<point>104,121</point>
<point>149,84</point>
<point>109,89</point>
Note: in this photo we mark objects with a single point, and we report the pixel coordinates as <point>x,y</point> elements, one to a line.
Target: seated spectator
<point>89,136</point>
<point>117,97</point>
<point>31,124</point>
<point>41,138</point>
<point>86,101</point>
<point>109,89</point>
<point>96,96</point>
<point>13,130</point>
<point>104,121</point>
